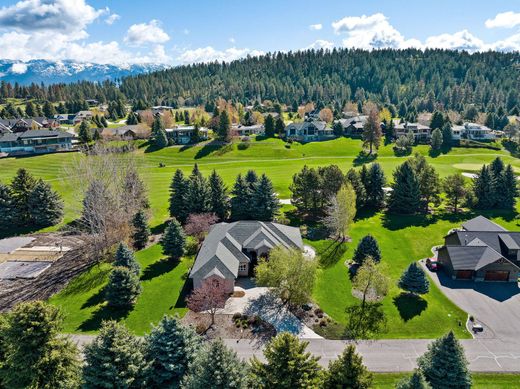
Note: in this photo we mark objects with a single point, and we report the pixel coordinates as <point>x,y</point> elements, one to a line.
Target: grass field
<point>480,380</point>
<point>402,239</point>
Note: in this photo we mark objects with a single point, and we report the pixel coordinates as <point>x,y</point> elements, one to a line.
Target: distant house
<point>482,251</point>
<point>313,115</point>
<point>231,250</point>
<point>308,131</point>
<point>353,126</point>
<point>421,132</point>
<point>183,135</point>
<point>81,116</point>
<point>92,102</point>
<point>473,131</point>
<point>26,124</point>
<point>240,130</point>
<point>129,132</point>
<point>35,141</point>
<point>159,109</point>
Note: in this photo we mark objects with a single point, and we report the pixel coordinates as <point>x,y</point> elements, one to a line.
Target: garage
<point>464,274</point>
<point>496,275</point>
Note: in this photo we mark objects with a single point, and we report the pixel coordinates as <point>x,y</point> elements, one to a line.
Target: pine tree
<point>171,349</point>
<point>114,359</point>
<point>84,133</point>
<point>375,181</point>
<point>141,232</point>
<point>367,247</point>
<point>123,288</point>
<point>179,206</point>
<point>437,120</point>
<point>415,381</point>
<point>288,365</point>
<point>48,109</point>
<point>444,365</point>
<point>509,188</point>
<point>436,139</point>
<point>279,126</point>
<point>125,258</point>
<point>30,110</point>
<point>22,186</point>
<point>483,189</point>
<point>8,214</point>
<point>306,190</point>
<point>355,180</point>
<point>348,371</point>
<point>216,366</point>
<point>173,240</point>
<point>413,280</point>
<point>198,192</point>
<point>104,121</point>
<point>44,205</point>
<point>264,200</point>
<point>241,200</point>
<point>159,138</point>
<point>405,197</point>
<point>269,126</point>
<point>337,128</point>
<point>36,354</point>
<point>224,127</point>
<point>132,119</point>
<point>218,198</point>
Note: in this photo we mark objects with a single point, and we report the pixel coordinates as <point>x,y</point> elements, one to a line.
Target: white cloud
<point>112,18</point>
<point>461,40</point>
<point>145,33</point>
<point>509,44</point>
<point>232,40</point>
<point>18,68</point>
<point>209,54</point>
<point>316,27</point>
<point>508,19</point>
<point>321,44</point>
<point>63,16</point>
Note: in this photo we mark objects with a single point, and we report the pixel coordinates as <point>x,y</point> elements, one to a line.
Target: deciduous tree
<point>415,381</point>
<point>341,211</point>
<point>372,133</point>
<point>455,188</point>
<point>209,296</point>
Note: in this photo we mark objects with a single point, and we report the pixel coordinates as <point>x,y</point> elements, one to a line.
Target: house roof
<point>410,126</point>
<point>481,223</point>
<point>304,125</point>
<point>223,247</point>
<point>32,134</point>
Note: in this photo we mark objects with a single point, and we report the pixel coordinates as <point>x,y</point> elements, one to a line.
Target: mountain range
<point>51,72</point>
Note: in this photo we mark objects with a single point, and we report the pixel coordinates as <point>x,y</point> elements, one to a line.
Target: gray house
<point>482,251</point>
<point>231,250</point>
<point>308,131</point>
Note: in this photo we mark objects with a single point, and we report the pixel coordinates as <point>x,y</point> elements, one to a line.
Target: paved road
<point>397,355</point>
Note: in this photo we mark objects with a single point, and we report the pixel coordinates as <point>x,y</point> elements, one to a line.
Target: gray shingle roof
<point>481,223</point>
<point>222,248</point>
<point>45,134</point>
<point>472,257</point>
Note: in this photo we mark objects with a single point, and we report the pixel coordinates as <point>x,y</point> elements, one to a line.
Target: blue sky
<point>176,32</point>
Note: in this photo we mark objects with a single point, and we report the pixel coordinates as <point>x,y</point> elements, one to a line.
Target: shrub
<point>237,316</point>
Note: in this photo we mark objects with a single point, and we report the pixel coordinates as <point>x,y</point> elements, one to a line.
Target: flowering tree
<point>210,296</point>
<point>198,224</point>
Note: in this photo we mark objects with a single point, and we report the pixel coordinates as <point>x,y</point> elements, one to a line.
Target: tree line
<point>33,353</point>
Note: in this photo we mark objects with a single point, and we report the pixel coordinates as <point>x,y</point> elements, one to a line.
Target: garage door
<point>496,275</point>
<point>464,274</point>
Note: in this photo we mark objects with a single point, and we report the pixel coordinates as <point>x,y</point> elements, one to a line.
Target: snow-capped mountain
<point>50,72</point>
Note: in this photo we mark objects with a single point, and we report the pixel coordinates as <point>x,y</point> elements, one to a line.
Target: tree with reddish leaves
<point>210,296</point>
<point>198,224</point>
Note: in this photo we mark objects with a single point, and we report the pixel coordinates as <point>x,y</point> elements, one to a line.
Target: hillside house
<point>308,131</point>
<point>240,130</point>
<point>231,250</point>
<point>183,135</point>
<point>473,131</point>
<point>353,126</point>
<point>81,116</point>
<point>35,141</point>
<point>421,132</point>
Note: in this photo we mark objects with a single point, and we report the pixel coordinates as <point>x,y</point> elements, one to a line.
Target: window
<point>242,267</point>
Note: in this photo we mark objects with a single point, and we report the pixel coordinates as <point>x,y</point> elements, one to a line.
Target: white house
<point>472,131</point>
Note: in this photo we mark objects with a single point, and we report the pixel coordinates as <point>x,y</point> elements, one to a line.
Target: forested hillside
<point>423,79</point>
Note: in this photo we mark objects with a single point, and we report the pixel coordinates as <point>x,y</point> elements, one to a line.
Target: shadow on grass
<point>185,292</point>
<point>158,268</point>
<point>330,254</point>
<point>409,305</point>
<point>210,147</point>
<point>159,229</point>
<point>90,279</point>
<point>95,299</point>
<point>434,153</point>
<point>364,322</point>
<point>363,158</point>
<point>104,313</point>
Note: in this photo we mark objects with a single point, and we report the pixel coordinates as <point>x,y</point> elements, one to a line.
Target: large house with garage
<point>231,250</point>
<point>482,251</point>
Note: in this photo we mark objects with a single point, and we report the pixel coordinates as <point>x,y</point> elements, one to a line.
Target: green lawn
<point>480,380</point>
<point>82,300</point>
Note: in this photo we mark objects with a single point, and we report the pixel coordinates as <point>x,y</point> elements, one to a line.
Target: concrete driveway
<point>496,305</point>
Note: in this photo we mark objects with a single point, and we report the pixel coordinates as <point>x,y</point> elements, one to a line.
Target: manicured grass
<point>480,380</point>
<point>162,281</point>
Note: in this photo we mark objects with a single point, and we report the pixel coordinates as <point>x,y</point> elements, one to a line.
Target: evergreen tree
<point>198,192</point>
<point>509,188</point>
<point>405,197</point>
<point>114,359</point>
<point>96,136</point>
<point>279,126</point>
<point>44,205</point>
<point>132,119</point>
<point>375,181</point>
<point>429,182</point>
<point>216,366</point>
<point>415,381</point>
<point>173,240</point>
<point>141,232</point>
<point>125,258</point>
<point>123,288</point>
<point>160,139</point>
<point>288,365</point>
<point>84,133</point>
<point>337,128</point>
<point>355,180</point>
<point>437,139</point>
<point>348,371</point>
<point>483,189</point>
<point>264,200</point>
<point>437,120</point>
<point>306,191</point>
<point>179,206</point>
<point>22,186</point>
<point>171,349</point>
<point>8,214</point>
<point>36,354</point>
<point>241,200</point>
<point>444,365</point>
<point>104,121</point>
<point>30,110</point>
<point>269,126</point>
<point>224,127</point>
<point>413,280</point>
<point>48,109</point>
<point>367,247</point>
<point>372,133</point>
<point>218,198</point>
